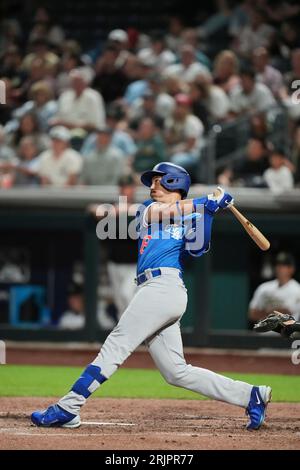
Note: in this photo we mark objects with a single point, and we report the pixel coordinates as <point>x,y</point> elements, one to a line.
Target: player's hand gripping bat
<point>252,231</point>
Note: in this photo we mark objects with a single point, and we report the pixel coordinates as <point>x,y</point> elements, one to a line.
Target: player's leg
<point>146,314</point>
<point>166,350</point>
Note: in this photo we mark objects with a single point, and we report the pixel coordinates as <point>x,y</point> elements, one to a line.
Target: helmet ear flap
<point>172,180</point>
<point>174,183</point>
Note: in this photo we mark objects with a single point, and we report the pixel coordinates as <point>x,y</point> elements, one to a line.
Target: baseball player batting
<point>153,316</point>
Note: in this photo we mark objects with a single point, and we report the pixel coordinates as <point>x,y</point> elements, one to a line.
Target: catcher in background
<point>281,294</point>
<point>282,323</point>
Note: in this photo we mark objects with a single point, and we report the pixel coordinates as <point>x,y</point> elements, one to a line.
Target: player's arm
<point>159,211</point>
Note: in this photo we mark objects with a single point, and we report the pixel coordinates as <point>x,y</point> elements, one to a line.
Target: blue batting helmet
<point>173,177</point>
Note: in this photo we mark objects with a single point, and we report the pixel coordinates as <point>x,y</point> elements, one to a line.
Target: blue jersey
<point>167,243</point>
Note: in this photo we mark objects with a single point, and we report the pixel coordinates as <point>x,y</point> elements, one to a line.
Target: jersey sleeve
<point>141,213</point>
<point>198,233</point>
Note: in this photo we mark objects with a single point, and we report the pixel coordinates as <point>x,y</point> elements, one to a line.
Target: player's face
<point>160,194</point>
<point>284,272</point>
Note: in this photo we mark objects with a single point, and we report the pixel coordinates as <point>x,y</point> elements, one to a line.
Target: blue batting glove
<point>220,201</point>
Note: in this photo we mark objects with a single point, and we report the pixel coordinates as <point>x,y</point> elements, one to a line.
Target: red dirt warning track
<point>216,360</point>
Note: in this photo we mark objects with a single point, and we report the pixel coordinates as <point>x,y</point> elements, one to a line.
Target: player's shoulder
<point>267,286</point>
<point>294,284</point>
<point>141,208</point>
<point>148,202</point>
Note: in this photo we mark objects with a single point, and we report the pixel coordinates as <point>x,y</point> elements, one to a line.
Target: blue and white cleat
<point>55,416</point>
<point>256,409</point>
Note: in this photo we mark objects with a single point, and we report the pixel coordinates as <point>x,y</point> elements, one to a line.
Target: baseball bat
<point>252,231</point>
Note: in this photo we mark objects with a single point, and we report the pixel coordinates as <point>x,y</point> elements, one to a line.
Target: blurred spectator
<point>288,40</point>
<point>7,162</point>
<point>175,29</point>
<point>198,105</point>
<point>281,294</point>
<point>214,30</point>
<point>10,34</point>
<point>188,68</point>
<point>81,106</point>
<point>60,165</point>
<point>157,54</point>
<point>226,71</point>
<point>265,73</point>
<point>142,108</point>
<point>247,169</point>
<point>43,103</point>
<point>150,146</point>
<point>213,97</point>
<point>40,49</point>
<point>251,96</point>
<point>7,154</point>
<point>258,33</point>
<point>278,176</point>
<point>105,164</point>
<point>69,61</point>
<point>239,18</point>
<point>164,103</point>
<point>110,80</point>
<point>137,71</point>
<point>26,171</point>
<point>121,139</point>
<point>44,27</point>
<point>39,70</point>
<point>174,85</point>
<point>29,126</point>
<point>10,66</point>
<point>73,318</point>
<point>119,39</point>
<point>259,126</point>
<point>184,134</point>
<point>190,36</point>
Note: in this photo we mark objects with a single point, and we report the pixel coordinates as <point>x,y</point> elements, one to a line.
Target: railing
<point>225,140</point>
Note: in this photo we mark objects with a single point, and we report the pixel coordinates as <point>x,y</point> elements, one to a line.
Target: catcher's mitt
<point>276,321</point>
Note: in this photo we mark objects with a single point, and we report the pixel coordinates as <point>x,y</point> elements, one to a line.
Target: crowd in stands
<point>89,117</point>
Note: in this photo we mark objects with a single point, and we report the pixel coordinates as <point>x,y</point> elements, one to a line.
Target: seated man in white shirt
<point>73,318</point>
<point>189,67</point>
<point>281,294</point>
<point>278,176</point>
<point>80,106</point>
<point>251,96</point>
<point>60,165</point>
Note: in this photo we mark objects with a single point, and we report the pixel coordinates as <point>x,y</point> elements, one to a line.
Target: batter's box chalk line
<point>103,423</point>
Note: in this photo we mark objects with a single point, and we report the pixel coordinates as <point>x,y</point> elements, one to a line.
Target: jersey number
<point>144,244</point>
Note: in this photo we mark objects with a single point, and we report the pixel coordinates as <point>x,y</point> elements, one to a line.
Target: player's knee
<point>176,376</point>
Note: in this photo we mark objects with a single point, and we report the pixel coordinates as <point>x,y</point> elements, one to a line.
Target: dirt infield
<point>135,424</point>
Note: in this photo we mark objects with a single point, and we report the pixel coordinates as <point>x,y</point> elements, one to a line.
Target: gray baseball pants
<point>153,316</point>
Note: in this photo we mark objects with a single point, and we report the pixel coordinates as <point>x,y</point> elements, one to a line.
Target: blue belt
<point>149,274</point>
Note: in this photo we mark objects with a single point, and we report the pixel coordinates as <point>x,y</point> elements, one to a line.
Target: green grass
<point>48,381</point>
